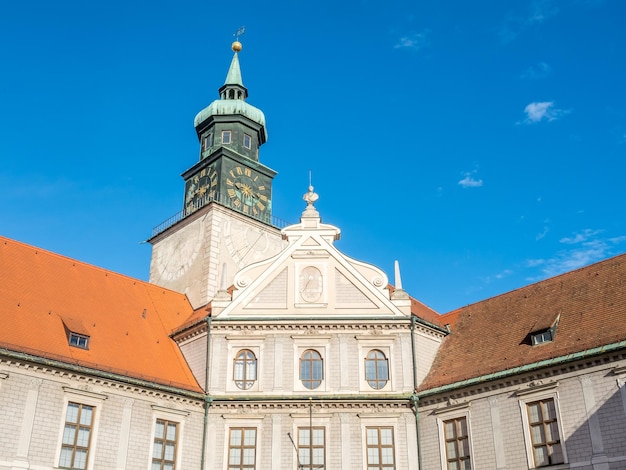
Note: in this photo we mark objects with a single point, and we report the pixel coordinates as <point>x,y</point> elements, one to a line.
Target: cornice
<point>92,378</point>
<point>522,381</point>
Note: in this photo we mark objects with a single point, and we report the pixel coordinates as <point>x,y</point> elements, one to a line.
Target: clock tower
<point>226,220</point>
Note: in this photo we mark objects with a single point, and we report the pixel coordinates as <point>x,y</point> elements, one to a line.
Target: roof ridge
<point>556,276</point>
<point>85,264</point>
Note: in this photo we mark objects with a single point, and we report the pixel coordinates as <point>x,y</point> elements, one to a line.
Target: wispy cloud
<point>414,41</point>
<point>582,248</point>
<point>537,71</point>
<point>514,25</point>
<point>541,10</point>
<point>541,235</point>
<point>542,111</point>
<point>469,181</point>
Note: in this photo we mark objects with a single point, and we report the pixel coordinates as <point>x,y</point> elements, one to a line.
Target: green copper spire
<point>232,106</point>
<point>234,72</point>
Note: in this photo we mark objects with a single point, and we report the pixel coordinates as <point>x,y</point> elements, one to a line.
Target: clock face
<point>248,191</point>
<point>311,284</point>
<point>200,189</point>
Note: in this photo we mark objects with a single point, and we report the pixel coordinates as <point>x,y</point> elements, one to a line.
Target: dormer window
<point>226,135</point>
<point>544,332</point>
<point>78,341</point>
<point>541,337</point>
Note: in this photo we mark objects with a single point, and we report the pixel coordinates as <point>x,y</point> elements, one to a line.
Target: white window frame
<point>82,397</point>
<point>230,137</point>
<point>319,343</point>
<point>249,141</point>
<point>236,344</point>
<point>206,138</point>
<point>384,343</point>
<point>447,414</point>
<point>532,395</point>
<point>168,414</point>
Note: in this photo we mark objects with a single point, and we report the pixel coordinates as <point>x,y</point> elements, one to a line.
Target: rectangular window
<point>457,444</point>
<point>226,135</point>
<point>164,446</point>
<point>380,448</point>
<point>79,341</point>
<point>544,432</point>
<point>76,436</point>
<point>242,449</point>
<point>247,141</point>
<point>311,451</point>
<point>542,337</point>
<point>206,142</point>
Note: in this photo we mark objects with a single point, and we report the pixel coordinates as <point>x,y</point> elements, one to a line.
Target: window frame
<point>457,439</point>
<point>81,397</point>
<point>244,380</point>
<point>542,337</point>
<point>379,446</point>
<point>228,133</point>
<point>376,360</point>
<point>527,397</point>
<point>242,465</point>
<point>454,412</point>
<point>311,447</point>
<point>162,461</point>
<point>249,139</point>
<point>234,344</point>
<point>206,142</point>
<point>311,361</point>
<point>160,413</point>
<point>81,341</point>
<point>386,345</point>
<point>321,344</point>
<point>77,426</point>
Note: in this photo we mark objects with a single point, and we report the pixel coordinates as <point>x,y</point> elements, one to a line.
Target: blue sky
<point>482,144</point>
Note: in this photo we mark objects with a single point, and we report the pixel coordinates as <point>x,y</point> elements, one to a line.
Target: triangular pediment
<point>310,277</point>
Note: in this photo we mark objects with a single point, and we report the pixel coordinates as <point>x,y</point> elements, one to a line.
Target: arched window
<point>311,367</point>
<point>245,369</point>
<point>376,369</point>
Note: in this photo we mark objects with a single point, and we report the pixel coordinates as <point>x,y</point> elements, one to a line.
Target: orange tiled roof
<point>421,310</point>
<point>425,313</point>
<point>494,335</point>
<point>43,295</point>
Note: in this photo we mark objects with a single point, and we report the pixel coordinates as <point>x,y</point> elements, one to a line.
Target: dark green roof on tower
<point>232,100</point>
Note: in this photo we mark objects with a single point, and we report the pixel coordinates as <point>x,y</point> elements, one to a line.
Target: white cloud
<point>583,248</point>
<point>541,11</point>
<point>515,24</point>
<point>542,110</point>
<point>542,234</point>
<point>469,181</point>
<point>580,237</point>
<point>533,263</point>
<point>537,71</point>
<point>415,41</point>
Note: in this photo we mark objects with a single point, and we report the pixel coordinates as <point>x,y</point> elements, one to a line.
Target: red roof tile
<point>494,335</point>
<point>43,295</point>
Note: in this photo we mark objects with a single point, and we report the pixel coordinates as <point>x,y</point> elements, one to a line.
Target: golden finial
<point>236,46</point>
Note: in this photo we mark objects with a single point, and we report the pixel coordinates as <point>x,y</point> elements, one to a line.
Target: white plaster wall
<point>575,421</point>
<point>134,444</point>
